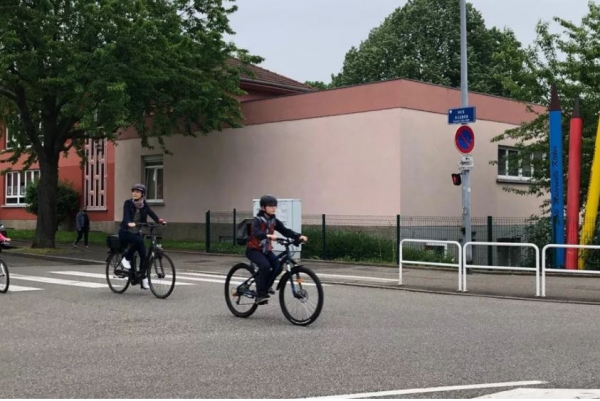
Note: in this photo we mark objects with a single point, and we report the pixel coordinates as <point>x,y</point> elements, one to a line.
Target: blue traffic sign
<point>461,115</point>
<point>464,139</point>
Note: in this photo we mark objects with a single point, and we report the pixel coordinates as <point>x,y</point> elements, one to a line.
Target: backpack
<point>243,231</point>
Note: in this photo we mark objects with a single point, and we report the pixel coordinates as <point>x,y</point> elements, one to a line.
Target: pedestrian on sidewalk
<point>82,224</point>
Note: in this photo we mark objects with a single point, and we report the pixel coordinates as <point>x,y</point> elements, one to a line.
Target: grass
<point>40,251</point>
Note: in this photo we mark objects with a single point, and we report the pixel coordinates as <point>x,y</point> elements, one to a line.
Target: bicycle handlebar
<point>288,241</point>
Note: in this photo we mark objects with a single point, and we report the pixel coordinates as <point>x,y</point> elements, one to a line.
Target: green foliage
<point>360,246</point>
<point>67,200</point>
<point>72,70</point>
<point>569,60</point>
<point>318,85</point>
<point>421,41</point>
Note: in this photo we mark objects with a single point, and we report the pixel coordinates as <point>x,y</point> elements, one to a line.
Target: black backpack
<point>243,231</point>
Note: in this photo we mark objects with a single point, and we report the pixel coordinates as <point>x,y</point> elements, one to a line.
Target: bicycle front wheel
<point>240,290</point>
<point>301,296</point>
<point>4,277</point>
<point>118,280</point>
<point>161,276</point>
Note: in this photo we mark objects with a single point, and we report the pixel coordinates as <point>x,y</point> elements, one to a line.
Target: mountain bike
<point>160,269</point>
<point>300,290</point>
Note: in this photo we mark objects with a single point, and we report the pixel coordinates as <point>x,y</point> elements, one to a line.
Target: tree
<point>318,85</point>
<point>67,200</point>
<point>569,60</point>
<point>72,70</point>
<point>421,41</point>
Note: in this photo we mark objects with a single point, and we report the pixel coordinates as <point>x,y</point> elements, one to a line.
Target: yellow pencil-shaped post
<point>591,206</point>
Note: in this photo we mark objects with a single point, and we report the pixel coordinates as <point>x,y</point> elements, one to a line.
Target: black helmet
<point>268,200</point>
<point>139,187</point>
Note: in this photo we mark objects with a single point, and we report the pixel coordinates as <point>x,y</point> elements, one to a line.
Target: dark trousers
<point>82,233</point>
<point>137,245</point>
<point>266,276</point>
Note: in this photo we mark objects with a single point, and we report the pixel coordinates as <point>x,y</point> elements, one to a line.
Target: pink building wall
<point>377,149</point>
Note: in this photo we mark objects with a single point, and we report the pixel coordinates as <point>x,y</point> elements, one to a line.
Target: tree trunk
<point>47,220</point>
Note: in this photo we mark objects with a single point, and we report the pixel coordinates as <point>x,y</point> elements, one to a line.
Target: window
<point>16,185</point>
<point>153,168</point>
<point>95,174</point>
<point>513,169</point>
<point>10,142</point>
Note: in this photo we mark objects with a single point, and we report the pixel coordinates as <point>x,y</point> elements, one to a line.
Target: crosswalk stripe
<point>19,288</point>
<point>103,276</point>
<point>50,280</point>
<point>221,279</point>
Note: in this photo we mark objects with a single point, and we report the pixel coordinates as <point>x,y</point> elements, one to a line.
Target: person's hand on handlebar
<point>303,238</point>
<point>162,222</point>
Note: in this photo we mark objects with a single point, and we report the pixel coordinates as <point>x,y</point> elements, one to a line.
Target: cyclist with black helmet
<point>259,247</point>
<point>135,211</point>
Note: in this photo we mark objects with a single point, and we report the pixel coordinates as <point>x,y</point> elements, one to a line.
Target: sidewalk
<point>580,289</point>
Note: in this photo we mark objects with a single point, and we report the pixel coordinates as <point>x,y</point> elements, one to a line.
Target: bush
<point>360,246</point>
<point>67,200</point>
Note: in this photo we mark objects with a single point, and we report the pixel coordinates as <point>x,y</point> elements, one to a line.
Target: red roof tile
<point>267,77</point>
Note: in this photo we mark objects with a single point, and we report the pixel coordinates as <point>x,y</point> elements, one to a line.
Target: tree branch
<point>8,94</point>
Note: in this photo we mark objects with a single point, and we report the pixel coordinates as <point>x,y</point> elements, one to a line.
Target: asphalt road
<point>66,341</point>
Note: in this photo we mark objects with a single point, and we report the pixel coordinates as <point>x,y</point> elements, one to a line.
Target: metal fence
<point>376,238</point>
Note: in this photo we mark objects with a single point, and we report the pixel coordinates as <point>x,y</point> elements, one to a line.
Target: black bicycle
<point>300,290</point>
<point>160,269</point>
<point>4,275</point>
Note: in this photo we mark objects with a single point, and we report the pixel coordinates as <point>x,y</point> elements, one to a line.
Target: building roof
<point>265,77</point>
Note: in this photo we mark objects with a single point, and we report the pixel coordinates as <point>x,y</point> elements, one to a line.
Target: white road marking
<point>18,288</point>
<point>546,393</point>
<point>50,280</point>
<point>103,276</point>
<point>433,390</point>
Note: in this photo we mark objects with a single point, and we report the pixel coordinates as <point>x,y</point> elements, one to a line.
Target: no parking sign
<point>464,139</point>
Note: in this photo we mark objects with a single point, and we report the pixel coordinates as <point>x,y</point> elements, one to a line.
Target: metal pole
<point>464,89</point>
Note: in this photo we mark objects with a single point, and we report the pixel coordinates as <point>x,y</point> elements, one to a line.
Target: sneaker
<point>145,285</point>
<point>262,300</point>
<point>125,264</point>
<point>271,291</point>
<point>87,247</point>
<point>74,245</point>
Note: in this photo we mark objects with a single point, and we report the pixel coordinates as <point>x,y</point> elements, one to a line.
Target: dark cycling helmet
<point>139,187</point>
<point>268,200</point>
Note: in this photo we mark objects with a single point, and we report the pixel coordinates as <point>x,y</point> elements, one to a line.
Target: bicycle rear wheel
<point>301,296</point>
<point>4,277</point>
<point>118,281</point>
<point>161,276</point>
<point>240,290</point>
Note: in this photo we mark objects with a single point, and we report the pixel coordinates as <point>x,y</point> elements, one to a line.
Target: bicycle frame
<point>285,257</point>
<point>155,247</point>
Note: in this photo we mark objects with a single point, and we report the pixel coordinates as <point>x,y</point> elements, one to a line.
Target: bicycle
<point>4,274</point>
<point>240,290</point>
<point>159,276</point>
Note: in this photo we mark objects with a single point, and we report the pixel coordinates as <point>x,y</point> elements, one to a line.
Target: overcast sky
<point>307,40</point>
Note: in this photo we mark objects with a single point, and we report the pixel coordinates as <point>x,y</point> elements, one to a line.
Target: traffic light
<point>456,179</point>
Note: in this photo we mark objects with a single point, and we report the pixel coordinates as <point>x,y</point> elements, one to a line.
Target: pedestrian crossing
<point>90,280</point>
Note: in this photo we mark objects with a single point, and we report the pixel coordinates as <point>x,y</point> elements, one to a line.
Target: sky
<point>307,40</point>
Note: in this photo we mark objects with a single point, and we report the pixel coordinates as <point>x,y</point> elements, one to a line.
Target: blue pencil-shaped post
<point>556,178</point>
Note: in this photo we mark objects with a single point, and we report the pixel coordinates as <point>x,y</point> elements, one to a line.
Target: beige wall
<point>350,164</point>
<point>429,157</point>
<point>333,164</point>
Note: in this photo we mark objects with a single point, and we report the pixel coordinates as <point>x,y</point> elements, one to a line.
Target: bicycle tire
<point>287,277</point>
<point>159,274</point>
<point>111,264</point>
<point>232,294</point>
<point>4,277</point>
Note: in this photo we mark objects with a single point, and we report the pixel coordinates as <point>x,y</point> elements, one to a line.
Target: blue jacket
<point>82,221</point>
<point>129,214</point>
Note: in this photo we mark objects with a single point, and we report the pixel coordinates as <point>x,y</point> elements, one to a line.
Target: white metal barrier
<point>564,271</point>
<point>458,265</point>
<point>536,269</point>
